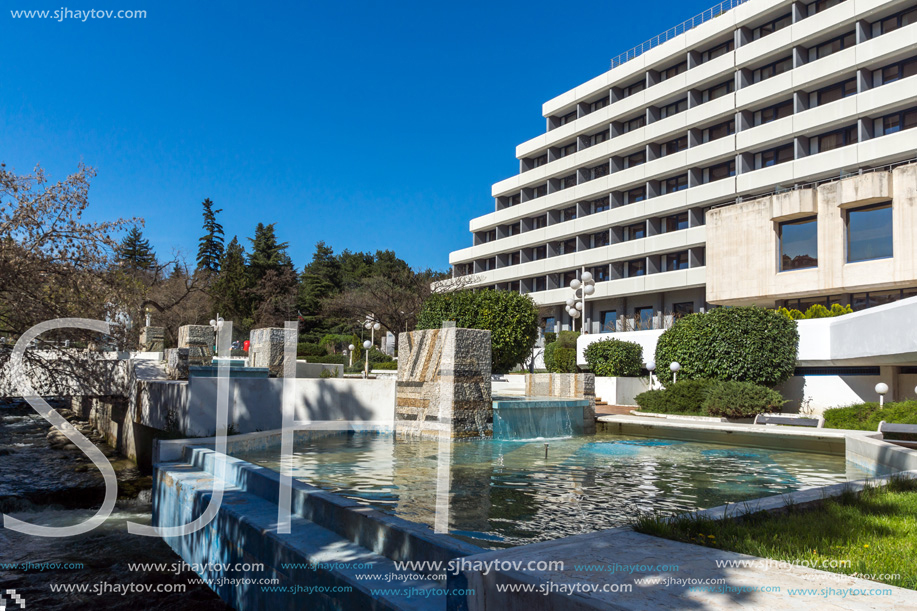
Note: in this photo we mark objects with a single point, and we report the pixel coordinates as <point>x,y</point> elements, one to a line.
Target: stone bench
<point>790,420</point>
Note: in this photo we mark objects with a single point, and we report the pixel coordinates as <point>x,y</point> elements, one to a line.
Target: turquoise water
<point>532,418</point>
<point>504,493</point>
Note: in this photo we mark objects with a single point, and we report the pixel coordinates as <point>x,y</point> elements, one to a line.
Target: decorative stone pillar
<point>443,388</point>
<point>266,350</point>
<point>565,386</point>
<point>199,340</point>
<point>152,339</point>
<point>177,363</point>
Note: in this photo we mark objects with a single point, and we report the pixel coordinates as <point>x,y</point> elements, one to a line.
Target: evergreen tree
<point>320,279</point>
<point>267,252</point>
<point>210,249</point>
<point>135,253</point>
<point>232,288</point>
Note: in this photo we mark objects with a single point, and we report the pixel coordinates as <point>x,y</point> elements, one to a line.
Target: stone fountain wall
<point>565,386</point>
<point>443,388</point>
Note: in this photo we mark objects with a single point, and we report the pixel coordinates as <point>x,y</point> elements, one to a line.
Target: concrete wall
<point>620,391</point>
<point>314,370</point>
<point>743,241</point>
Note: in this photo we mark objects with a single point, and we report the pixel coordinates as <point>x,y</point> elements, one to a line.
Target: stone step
<point>244,531</point>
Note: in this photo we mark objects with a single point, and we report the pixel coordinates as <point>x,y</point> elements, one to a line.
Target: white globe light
<point>367,344</point>
<point>213,323</point>
<point>579,305</point>
<point>351,347</point>
<point>367,325</point>
<point>589,289</point>
<point>881,388</point>
<point>651,366</point>
<point>570,302</point>
<point>377,326</point>
<point>675,366</point>
<point>575,284</point>
<point>587,277</point>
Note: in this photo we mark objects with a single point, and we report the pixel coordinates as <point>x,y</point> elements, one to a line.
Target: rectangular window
<point>773,26</point>
<point>773,113</point>
<point>568,150</point>
<point>643,318</point>
<point>569,246</point>
<point>636,195</point>
<point>836,92</point>
<point>568,118</point>
<point>869,233</point>
<point>539,253</point>
<point>682,309</point>
<point>635,268</point>
<point>515,200</point>
<point>539,161</point>
<point>718,51</point>
<point>600,205</point>
<point>635,231</point>
<point>776,156</point>
<point>635,123</point>
<point>673,71</point>
<point>600,239</point>
<point>515,229</point>
<point>599,104</point>
<point>568,181</point>
<point>676,222</point>
<point>540,191</point>
<point>490,263</point>
<point>635,88</point>
<point>896,122</point>
<point>822,5</point>
<point>599,137</point>
<point>798,244</point>
<point>833,140</point>
<point>719,91</point>
<point>599,171</point>
<point>773,69</point>
<point>600,273</point>
<point>832,46</point>
<point>673,109</point>
<point>673,146</point>
<point>541,283</point>
<point>638,158</point>
<point>490,236</point>
<point>676,260</point>
<point>540,222</point>
<point>609,321</point>
<point>720,131</point>
<point>678,183</point>
<point>568,214</point>
<point>890,24</point>
<point>721,171</point>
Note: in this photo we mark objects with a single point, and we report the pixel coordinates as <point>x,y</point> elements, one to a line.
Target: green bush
<point>377,356</point>
<point>306,349</point>
<point>549,337</point>
<point>741,400</point>
<point>614,357</point>
<point>392,365</point>
<point>511,318</point>
<point>745,344</point>
<point>549,356</point>
<point>567,339</point>
<point>867,416</point>
<point>564,360</point>
<point>817,311</point>
<point>683,397</point>
<point>328,373</point>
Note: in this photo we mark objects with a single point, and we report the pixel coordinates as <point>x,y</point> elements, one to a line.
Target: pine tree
<point>135,253</point>
<point>267,252</point>
<point>210,250</point>
<point>320,279</point>
<point>232,289</point>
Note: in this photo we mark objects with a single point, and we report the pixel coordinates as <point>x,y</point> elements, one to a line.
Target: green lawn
<point>876,531</point>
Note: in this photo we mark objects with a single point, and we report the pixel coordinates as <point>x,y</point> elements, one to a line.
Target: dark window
<point>676,222</point>
<point>600,205</point>
<point>869,233</point>
<point>569,246</point>
<point>569,213</point>
<point>539,161</point>
<point>568,118</point>
<point>540,191</point>
<point>682,309</point>
<point>514,258</point>
<point>515,229</point>
<point>609,321</point>
<point>635,123</point>
<point>833,140</point>
<point>635,231</point>
<point>539,253</point>
<point>836,92</point>
<point>638,158</point>
<point>673,71</point>
<point>600,273</point>
<point>490,236</point>
<point>718,51</point>
<point>832,46</point>
<point>635,88</point>
<point>568,150</point>
<point>541,283</point>
<point>540,222</point>
<point>515,199</point>
<point>720,131</point>
<point>896,122</point>
<point>676,183</point>
<point>719,91</point>
<point>773,69</point>
<point>490,263</point>
<point>599,171</point>
<point>721,171</point>
<point>635,268</point>
<point>772,113</point>
<point>676,260</point>
<point>673,109</point>
<point>599,138</point>
<point>798,244</point>
<point>673,146</point>
<point>822,5</point>
<point>600,239</point>
<point>776,156</point>
<point>599,104</point>
<point>643,318</point>
<point>890,74</point>
<point>568,181</point>
<point>773,26</point>
<point>902,19</point>
<point>636,195</point>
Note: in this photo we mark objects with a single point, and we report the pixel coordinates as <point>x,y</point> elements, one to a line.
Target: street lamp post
<point>881,388</point>
<point>215,324</point>
<point>576,305</point>
<point>675,367</point>
<point>351,348</point>
<point>651,367</point>
<point>366,345</point>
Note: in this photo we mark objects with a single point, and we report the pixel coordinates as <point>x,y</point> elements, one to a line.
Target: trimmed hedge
<point>867,416</point>
<point>741,400</point>
<point>564,360</point>
<point>335,359</point>
<point>745,344</point>
<point>549,356</point>
<point>310,349</point>
<point>711,398</point>
<point>390,365</point>
<point>614,357</point>
<point>817,310</point>
<point>511,318</point>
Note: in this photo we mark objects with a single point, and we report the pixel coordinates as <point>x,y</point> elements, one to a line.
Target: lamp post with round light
<point>576,305</point>
<point>675,367</point>
<point>351,348</point>
<point>651,367</point>
<point>216,324</point>
<point>881,388</point>
<point>366,345</point>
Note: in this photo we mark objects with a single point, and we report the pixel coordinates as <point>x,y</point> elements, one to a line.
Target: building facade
<point>761,156</point>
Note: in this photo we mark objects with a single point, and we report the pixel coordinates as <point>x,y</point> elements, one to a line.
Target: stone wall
<point>177,363</point>
<point>199,340</point>
<point>567,386</point>
<point>443,388</point>
<point>152,339</point>
<point>266,350</point>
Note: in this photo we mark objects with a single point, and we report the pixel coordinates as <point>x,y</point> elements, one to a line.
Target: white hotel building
<point>763,155</point>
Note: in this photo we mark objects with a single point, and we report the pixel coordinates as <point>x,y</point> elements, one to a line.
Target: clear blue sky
<point>370,125</point>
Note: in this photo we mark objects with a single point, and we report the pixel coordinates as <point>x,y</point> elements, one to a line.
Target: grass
<point>867,416</point>
<point>873,532</point>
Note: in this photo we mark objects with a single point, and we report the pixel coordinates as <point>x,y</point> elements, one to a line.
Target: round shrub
<point>511,318</point>
<point>745,344</point>
<point>549,356</point>
<point>613,357</point>
<point>567,339</point>
<point>741,400</point>
<point>565,360</point>
<point>684,397</point>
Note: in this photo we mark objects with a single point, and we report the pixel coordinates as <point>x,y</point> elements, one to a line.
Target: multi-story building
<point>756,154</point>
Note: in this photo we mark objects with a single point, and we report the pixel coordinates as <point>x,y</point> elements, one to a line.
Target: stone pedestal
<point>443,388</point>
<point>199,340</point>
<point>266,350</point>
<point>177,363</point>
<point>565,386</point>
<point>152,339</point>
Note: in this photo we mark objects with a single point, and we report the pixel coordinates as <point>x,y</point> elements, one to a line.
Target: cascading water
<point>531,418</point>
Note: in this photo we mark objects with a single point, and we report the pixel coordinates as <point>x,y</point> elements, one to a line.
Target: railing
<point>681,28</point>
